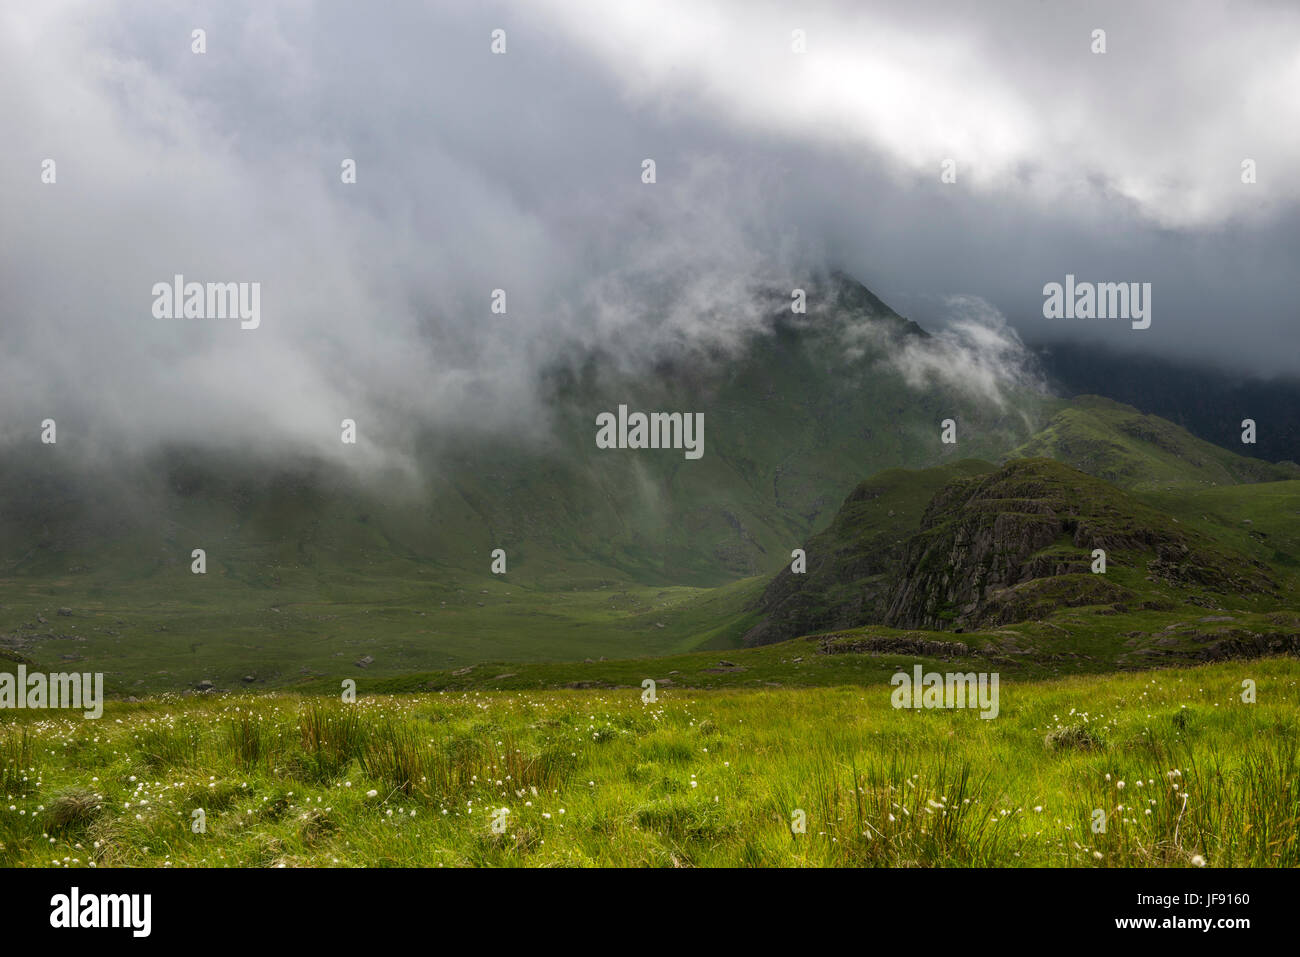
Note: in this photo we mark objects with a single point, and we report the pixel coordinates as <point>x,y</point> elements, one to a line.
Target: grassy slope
<point>1261,520</point>
<point>1117,443</point>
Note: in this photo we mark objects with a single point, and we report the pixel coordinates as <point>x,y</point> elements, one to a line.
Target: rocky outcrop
<point>994,547</point>
<point>984,540</point>
<point>850,565</point>
<point>895,645</point>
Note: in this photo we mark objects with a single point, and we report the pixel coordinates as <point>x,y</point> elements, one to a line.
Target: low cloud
<point>977,353</point>
<point>522,172</point>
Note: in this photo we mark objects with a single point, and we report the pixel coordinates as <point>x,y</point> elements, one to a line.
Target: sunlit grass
<point>1178,765</point>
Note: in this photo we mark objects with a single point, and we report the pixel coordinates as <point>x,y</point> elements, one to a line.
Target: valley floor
<point>1181,770</point>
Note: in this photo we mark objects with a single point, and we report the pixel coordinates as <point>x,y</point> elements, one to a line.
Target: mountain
<point>312,566</point>
<point>316,570</point>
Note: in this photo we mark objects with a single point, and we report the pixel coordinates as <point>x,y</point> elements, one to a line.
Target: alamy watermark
<point>74,690</point>
<point>179,299</point>
<point>653,430</point>
<point>1105,300</point>
<point>74,910</point>
<point>930,689</point>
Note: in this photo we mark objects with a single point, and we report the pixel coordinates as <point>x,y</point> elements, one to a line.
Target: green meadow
<point>1185,772</point>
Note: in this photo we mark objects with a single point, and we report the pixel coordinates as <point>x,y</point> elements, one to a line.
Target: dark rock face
<point>983,536</point>
<point>1192,644</point>
<point>984,540</point>
<point>1251,645</point>
<point>852,562</point>
<point>994,548</point>
<point>987,545</point>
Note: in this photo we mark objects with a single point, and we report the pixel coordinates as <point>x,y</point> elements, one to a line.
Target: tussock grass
<point>1075,736</point>
<point>1178,767</point>
<point>74,808</point>
<point>15,758</point>
<point>331,736</point>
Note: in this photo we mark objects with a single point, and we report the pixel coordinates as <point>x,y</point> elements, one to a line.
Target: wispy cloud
<point>977,353</point>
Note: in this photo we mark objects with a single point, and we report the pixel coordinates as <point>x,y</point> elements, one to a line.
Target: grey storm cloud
<point>522,172</point>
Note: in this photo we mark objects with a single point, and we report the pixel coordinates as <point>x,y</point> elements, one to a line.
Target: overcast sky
<point>522,171</point>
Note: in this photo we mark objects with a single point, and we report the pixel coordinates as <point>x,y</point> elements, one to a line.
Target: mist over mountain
<point>522,172</point>
<point>793,416</point>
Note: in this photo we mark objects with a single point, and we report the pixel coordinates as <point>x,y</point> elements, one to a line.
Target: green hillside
<point>316,570</point>
<point>1121,445</point>
<point>312,566</point>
